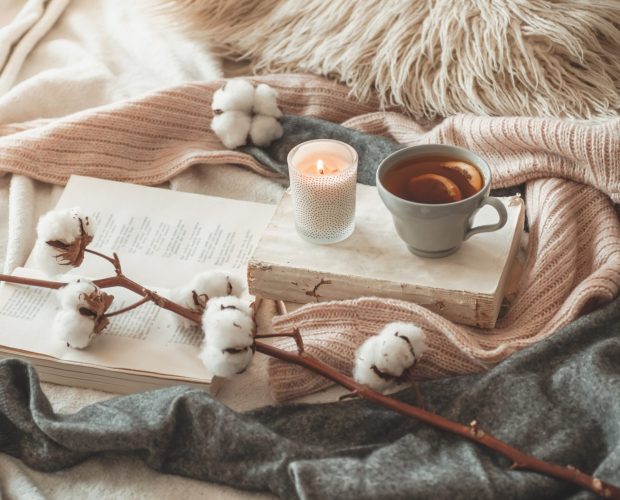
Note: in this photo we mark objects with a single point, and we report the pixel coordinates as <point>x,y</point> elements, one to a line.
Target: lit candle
<point>323,177</point>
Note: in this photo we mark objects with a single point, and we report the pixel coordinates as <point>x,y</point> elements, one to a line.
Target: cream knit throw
<point>574,257</point>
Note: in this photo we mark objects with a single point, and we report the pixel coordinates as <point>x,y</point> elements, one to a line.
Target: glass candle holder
<point>323,175</point>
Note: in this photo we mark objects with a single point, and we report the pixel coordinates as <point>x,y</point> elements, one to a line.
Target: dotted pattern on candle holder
<point>324,205</point>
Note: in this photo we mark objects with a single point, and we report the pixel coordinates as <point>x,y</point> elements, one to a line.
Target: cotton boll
<point>73,328</point>
<point>184,297</point>
<point>265,101</point>
<point>218,284</point>
<point>225,364</point>
<point>44,258</point>
<point>264,130</point>
<point>64,225</point>
<point>229,335</point>
<point>232,128</point>
<point>59,225</point>
<point>365,362</point>
<point>87,221</point>
<point>237,95</point>
<point>383,358</point>
<point>218,304</point>
<point>207,286</point>
<point>72,295</point>
<point>394,355</point>
<point>416,340</point>
<point>228,328</point>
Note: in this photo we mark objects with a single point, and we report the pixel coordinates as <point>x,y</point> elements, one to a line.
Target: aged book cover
<point>466,287</point>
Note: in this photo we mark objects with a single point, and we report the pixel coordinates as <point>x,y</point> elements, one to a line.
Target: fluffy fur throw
<point>433,58</point>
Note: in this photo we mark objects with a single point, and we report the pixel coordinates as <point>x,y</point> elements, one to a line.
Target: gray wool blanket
<point>558,400</point>
<point>371,149</point>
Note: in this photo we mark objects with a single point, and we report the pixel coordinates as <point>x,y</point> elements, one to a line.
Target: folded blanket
<point>335,330</point>
<point>371,149</point>
<point>58,57</point>
<point>175,132</point>
<point>572,169</point>
<point>558,400</point>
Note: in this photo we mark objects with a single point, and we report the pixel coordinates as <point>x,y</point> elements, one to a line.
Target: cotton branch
<point>520,460</point>
<point>471,432</point>
<point>130,307</point>
<point>115,281</point>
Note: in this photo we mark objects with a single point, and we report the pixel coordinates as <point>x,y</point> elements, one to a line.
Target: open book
<point>163,238</point>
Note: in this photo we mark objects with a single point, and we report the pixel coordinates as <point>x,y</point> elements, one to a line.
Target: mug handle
<point>501,211</point>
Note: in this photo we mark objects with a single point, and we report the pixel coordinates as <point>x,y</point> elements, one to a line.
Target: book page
<point>146,339</point>
<point>164,237</point>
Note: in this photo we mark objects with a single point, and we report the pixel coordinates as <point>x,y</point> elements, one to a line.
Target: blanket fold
<point>572,267</point>
<point>571,170</point>
<point>558,400</point>
<point>174,133</point>
<point>371,149</point>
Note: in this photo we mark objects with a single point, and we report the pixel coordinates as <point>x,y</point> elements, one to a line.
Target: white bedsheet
<point>58,57</point>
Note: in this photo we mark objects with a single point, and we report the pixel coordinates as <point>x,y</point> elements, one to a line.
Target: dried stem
<point>114,260</point>
<point>295,335</point>
<point>19,280</point>
<point>150,295</point>
<point>471,432</point>
<point>418,394</point>
<point>144,300</point>
<point>520,460</point>
<point>115,281</point>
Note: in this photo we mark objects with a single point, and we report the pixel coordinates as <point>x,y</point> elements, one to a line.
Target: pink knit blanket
<point>572,171</point>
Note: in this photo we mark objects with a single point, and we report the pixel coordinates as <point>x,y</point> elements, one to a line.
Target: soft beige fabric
<point>573,266</point>
<point>19,34</point>
<point>59,57</point>
<point>175,133</point>
<point>499,58</point>
<point>98,52</point>
<point>574,259</point>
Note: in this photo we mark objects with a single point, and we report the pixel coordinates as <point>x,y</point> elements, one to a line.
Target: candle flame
<point>320,167</point>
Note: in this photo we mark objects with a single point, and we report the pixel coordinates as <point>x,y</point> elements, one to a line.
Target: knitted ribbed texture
<point>573,265</point>
<point>151,139</point>
<point>574,255</point>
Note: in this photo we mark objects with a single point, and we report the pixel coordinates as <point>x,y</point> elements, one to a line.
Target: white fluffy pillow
<point>500,57</point>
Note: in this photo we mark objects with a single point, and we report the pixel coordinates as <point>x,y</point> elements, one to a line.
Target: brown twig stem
<point>19,280</point>
<point>143,300</point>
<point>114,260</point>
<point>294,335</point>
<point>124,282</point>
<point>114,281</point>
<point>520,460</point>
<point>471,432</point>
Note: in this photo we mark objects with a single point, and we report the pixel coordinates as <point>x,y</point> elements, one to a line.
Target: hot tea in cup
<point>433,193</point>
<point>434,180</point>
